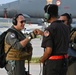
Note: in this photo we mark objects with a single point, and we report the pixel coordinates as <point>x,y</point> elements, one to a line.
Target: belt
<point>58,57</point>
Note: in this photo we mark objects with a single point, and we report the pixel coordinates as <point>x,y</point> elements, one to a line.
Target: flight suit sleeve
<point>47,40</point>
<point>49,32</point>
<point>11,38</point>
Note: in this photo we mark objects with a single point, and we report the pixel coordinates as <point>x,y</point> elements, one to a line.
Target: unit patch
<point>46,33</point>
<point>12,35</point>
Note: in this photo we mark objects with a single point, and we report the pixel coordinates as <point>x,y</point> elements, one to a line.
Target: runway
<point>37,50</point>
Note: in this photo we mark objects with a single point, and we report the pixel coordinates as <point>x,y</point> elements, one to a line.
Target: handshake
<point>33,34</point>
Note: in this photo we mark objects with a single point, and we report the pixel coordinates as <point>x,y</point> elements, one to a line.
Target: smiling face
<point>20,22</point>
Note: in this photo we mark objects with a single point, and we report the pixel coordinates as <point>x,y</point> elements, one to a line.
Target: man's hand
<point>47,53</point>
<point>32,35</point>
<point>38,32</point>
<point>41,60</point>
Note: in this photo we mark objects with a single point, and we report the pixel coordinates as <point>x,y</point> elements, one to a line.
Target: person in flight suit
<point>55,42</point>
<point>67,19</point>
<point>17,55</point>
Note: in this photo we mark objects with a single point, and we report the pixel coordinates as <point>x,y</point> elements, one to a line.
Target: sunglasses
<point>23,21</point>
<point>63,20</point>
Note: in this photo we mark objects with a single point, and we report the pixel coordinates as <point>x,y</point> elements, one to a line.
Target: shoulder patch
<point>12,35</point>
<point>46,33</point>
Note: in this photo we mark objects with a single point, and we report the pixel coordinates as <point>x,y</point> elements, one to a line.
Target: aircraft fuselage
<point>35,8</point>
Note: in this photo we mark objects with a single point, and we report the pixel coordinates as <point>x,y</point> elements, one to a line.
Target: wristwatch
<point>29,37</point>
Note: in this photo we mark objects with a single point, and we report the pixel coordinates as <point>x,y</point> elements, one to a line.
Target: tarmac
<point>33,70</point>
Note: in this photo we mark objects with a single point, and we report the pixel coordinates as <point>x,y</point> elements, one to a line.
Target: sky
<point>6,1</point>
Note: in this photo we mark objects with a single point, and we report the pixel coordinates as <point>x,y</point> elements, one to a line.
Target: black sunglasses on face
<point>63,20</point>
<point>23,21</point>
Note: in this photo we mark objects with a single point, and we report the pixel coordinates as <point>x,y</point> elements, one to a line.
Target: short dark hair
<point>51,9</point>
